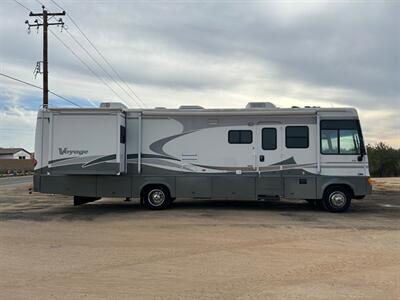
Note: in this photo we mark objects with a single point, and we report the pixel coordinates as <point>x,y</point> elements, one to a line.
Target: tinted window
<point>297,137</point>
<point>240,137</point>
<point>269,138</point>
<point>122,135</point>
<point>339,124</point>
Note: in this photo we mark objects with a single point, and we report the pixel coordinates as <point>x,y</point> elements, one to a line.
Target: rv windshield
<point>341,137</point>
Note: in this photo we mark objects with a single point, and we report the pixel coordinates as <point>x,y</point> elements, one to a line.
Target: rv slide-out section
<point>160,154</point>
<point>83,142</point>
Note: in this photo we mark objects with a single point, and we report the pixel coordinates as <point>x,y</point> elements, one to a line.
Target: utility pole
<point>45,23</point>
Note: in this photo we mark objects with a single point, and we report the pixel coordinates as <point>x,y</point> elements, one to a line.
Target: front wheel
<point>336,199</point>
<point>156,198</point>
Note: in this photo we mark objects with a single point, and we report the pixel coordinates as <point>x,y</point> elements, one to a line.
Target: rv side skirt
<point>197,186</point>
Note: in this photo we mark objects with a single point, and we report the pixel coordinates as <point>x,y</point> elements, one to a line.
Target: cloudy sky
<point>210,53</point>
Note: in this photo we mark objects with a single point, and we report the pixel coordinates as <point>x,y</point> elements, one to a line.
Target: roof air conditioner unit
<point>113,105</point>
<point>191,107</point>
<point>260,105</point>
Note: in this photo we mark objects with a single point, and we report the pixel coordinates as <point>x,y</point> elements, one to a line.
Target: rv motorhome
<point>257,153</point>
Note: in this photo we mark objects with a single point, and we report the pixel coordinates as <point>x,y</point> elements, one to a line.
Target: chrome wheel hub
<point>156,197</point>
<point>337,199</point>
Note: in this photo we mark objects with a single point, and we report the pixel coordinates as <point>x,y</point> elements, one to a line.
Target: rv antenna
<point>44,15</point>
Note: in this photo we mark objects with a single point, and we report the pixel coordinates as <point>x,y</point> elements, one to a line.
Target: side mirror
<point>360,157</point>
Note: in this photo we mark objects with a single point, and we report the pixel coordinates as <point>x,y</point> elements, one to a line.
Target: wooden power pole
<point>44,16</point>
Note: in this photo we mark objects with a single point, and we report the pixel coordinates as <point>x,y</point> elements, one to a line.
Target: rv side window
<point>268,138</point>
<point>297,137</point>
<point>122,135</point>
<point>240,136</point>
<point>341,137</point>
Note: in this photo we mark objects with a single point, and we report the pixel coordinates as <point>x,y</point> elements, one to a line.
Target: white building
<point>14,153</point>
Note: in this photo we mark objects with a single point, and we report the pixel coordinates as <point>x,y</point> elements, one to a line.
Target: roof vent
<point>191,107</point>
<point>113,105</point>
<point>260,105</point>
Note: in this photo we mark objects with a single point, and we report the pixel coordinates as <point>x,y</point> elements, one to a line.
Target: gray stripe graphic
<point>157,146</point>
<point>99,160</point>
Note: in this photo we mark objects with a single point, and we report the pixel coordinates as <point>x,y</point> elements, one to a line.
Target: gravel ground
<point>198,249</point>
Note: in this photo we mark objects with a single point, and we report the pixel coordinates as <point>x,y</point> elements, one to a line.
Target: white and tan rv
<point>157,155</point>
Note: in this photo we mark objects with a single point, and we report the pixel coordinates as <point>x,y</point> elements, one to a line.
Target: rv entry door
<point>268,160</point>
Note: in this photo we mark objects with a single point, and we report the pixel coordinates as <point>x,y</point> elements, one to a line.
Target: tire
<point>336,199</point>
<point>156,198</point>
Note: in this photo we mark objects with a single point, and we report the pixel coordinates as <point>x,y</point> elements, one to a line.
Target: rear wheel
<point>336,199</point>
<point>156,197</point>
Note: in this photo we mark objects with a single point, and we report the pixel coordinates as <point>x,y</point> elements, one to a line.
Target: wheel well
<point>153,185</point>
<point>342,185</point>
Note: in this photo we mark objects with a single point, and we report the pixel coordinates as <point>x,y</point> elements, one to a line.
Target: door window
<point>268,139</point>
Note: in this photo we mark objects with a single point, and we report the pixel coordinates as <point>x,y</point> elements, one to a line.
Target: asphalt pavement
<point>15,181</point>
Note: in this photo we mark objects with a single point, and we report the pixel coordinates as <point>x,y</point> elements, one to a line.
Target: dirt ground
<point>199,249</point>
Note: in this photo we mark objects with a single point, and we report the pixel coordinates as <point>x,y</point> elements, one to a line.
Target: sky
<point>217,54</point>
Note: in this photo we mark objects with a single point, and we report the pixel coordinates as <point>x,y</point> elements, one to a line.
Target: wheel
<point>156,198</point>
<point>336,199</point>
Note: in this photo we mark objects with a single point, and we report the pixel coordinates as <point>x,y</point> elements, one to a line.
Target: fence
<point>14,166</point>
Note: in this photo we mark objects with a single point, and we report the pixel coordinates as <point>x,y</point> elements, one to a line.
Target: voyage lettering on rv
<point>66,151</point>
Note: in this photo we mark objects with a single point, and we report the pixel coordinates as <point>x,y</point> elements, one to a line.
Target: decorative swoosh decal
<point>60,159</point>
<point>144,155</point>
<point>289,161</point>
<point>157,146</point>
<point>99,160</point>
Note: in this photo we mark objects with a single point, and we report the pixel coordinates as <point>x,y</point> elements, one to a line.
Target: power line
<point>20,4</point>
<point>80,59</point>
<point>101,55</point>
<point>40,88</point>
<point>21,81</point>
<point>66,47</point>
<point>100,66</point>
<point>86,65</point>
<point>41,3</point>
<point>64,98</point>
<point>33,85</point>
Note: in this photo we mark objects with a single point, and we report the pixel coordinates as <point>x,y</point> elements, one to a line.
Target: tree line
<point>384,161</point>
